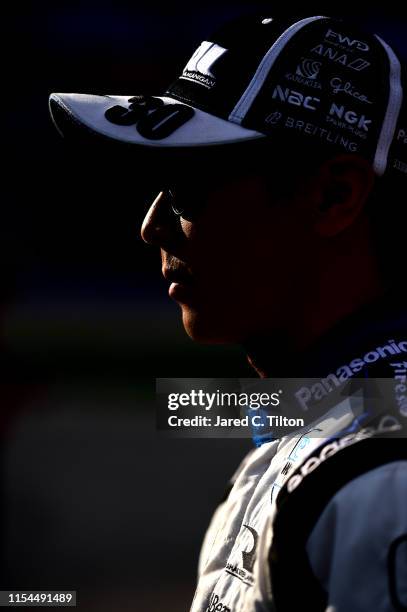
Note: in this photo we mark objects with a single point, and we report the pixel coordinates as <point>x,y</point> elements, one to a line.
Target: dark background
<point>93,498</point>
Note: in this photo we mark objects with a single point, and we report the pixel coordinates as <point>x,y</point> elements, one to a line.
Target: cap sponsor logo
<point>311,129</point>
<point>402,136</point>
<point>274,118</point>
<point>342,125</point>
<point>303,81</point>
<point>358,64</point>
<point>306,73</point>
<point>308,69</point>
<point>341,39</point>
<point>341,86</point>
<point>352,118</point>
<point>296,98</point>
<point>199,67</point>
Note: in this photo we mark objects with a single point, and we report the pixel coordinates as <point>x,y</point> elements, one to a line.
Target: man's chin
<point>208,330</point>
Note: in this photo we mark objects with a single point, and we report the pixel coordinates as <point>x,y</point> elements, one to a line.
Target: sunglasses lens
<point>176,205</point>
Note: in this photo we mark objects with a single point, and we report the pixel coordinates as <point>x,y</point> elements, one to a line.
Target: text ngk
<point>296,98</point>
<point>350,117</point>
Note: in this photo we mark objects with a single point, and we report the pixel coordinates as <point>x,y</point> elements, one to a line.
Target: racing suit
<point>355,546</point>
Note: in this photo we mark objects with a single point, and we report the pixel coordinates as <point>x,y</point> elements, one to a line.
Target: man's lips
<point>178,275</point>
<point>181,288</point>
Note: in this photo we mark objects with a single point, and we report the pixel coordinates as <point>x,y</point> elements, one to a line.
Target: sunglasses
<point>184,202</point>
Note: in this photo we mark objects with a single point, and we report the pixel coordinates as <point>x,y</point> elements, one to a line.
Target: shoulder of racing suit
<point>308,491</point>
<point>325,475</point>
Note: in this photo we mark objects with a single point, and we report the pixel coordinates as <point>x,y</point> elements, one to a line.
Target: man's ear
<point>340,190</point>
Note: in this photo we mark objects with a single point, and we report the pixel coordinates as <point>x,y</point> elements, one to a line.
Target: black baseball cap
<point>262,78</point>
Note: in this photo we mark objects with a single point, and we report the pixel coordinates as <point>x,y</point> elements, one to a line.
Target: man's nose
<point>157,227</point>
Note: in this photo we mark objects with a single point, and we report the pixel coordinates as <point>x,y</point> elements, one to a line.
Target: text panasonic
<point>307,395</point>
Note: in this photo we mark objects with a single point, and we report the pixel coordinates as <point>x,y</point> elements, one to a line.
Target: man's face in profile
<point>237,257</point>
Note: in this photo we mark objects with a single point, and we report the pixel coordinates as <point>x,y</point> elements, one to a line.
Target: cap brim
<point>85,114</point>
